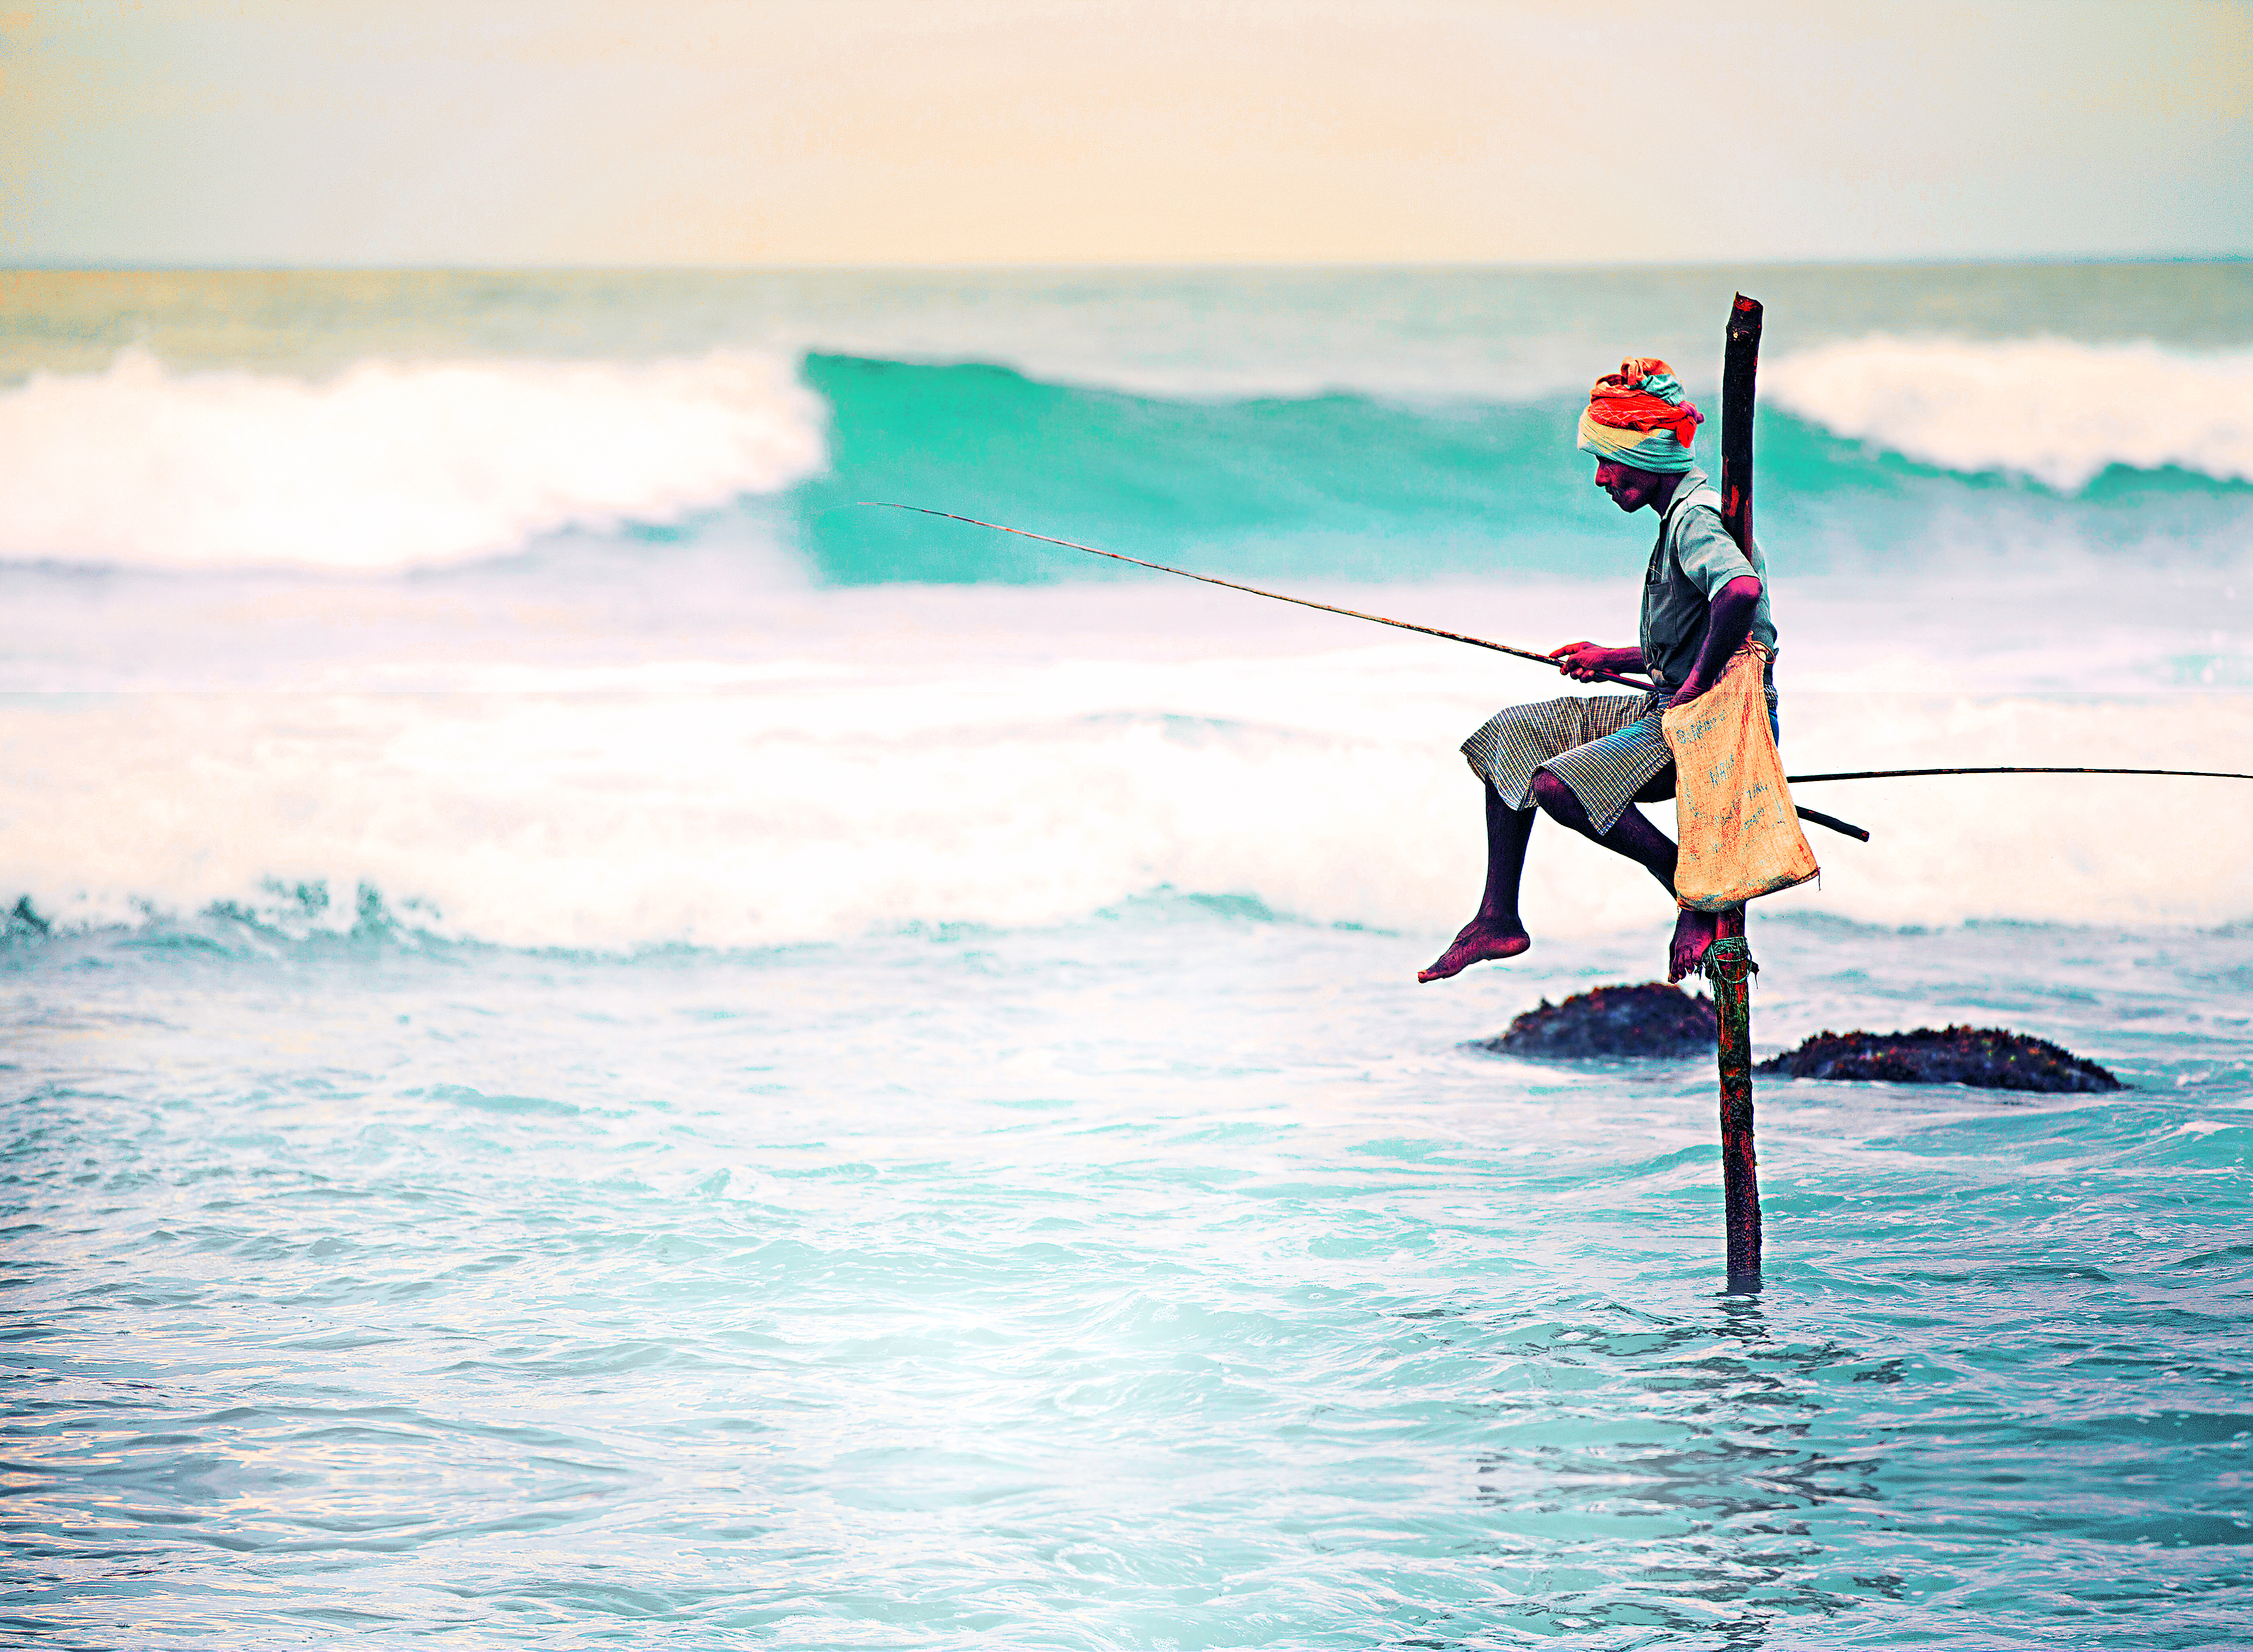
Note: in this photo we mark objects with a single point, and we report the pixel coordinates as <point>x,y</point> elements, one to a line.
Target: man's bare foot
<point>1693,934</point>
<point>1481,938</point>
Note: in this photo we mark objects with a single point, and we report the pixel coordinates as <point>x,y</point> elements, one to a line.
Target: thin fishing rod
<point>1911,774</point>
<point>1380,619</point>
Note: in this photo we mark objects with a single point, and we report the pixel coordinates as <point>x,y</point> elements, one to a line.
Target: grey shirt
<point>1694,558</point>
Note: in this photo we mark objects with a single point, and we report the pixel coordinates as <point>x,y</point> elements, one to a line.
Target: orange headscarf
<point>1644,395</point>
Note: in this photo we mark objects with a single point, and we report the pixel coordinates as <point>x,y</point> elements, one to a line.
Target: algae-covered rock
<point>1989,1057</point>
<point>1653,1019</point>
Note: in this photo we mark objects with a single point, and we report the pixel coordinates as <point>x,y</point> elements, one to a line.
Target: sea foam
<point>389,464</point>
<point>2059,412</point>
<point>880,762</point>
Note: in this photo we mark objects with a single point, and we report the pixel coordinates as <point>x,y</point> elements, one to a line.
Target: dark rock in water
<point>1986,1056</point>
<point>1653,1019</point>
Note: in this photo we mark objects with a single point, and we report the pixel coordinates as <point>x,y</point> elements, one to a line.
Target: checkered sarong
<point>1605,747</point>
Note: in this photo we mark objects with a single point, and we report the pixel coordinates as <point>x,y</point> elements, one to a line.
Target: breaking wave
<point>392,465</point>
<point>389,464</point>
<point>2059,412</point>
<point>1365,488</point>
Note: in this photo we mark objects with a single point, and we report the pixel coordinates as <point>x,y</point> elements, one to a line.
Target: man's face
<point>1630,489</point>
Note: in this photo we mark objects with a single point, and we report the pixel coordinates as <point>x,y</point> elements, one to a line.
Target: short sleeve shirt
<point>1693,559</point>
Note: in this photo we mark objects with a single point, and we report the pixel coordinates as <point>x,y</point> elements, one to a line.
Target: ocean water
<point>604,1045</point>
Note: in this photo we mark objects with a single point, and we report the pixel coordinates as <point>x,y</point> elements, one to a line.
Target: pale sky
<point>1103,131</point>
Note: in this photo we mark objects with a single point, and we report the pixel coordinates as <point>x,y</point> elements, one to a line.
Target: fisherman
<point>1586,760</point>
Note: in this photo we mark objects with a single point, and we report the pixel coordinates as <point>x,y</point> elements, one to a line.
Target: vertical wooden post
<point>1729,964</point>
<point>1740,363</point>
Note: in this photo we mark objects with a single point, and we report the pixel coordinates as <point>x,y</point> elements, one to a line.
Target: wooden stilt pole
<point>1729,962</point>
<point>1729,965</point>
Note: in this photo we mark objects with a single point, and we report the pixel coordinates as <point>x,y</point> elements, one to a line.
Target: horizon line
<point>1062,266</point>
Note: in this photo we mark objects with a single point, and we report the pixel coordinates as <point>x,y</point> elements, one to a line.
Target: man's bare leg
<point>1495,930</point>
<point>1634,836</point>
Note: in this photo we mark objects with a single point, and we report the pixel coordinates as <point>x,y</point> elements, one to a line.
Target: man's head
<point>1632,489</point>
<point>1637,418</point>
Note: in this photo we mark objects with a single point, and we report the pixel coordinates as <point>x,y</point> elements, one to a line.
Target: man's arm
<point>1582,661</point>
<point>1728,621</point>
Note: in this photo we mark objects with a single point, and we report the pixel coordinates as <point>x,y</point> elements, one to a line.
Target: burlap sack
<point>1740,838</point>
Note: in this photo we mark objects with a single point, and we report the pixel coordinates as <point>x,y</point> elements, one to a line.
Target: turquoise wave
<point>1353,487</point>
